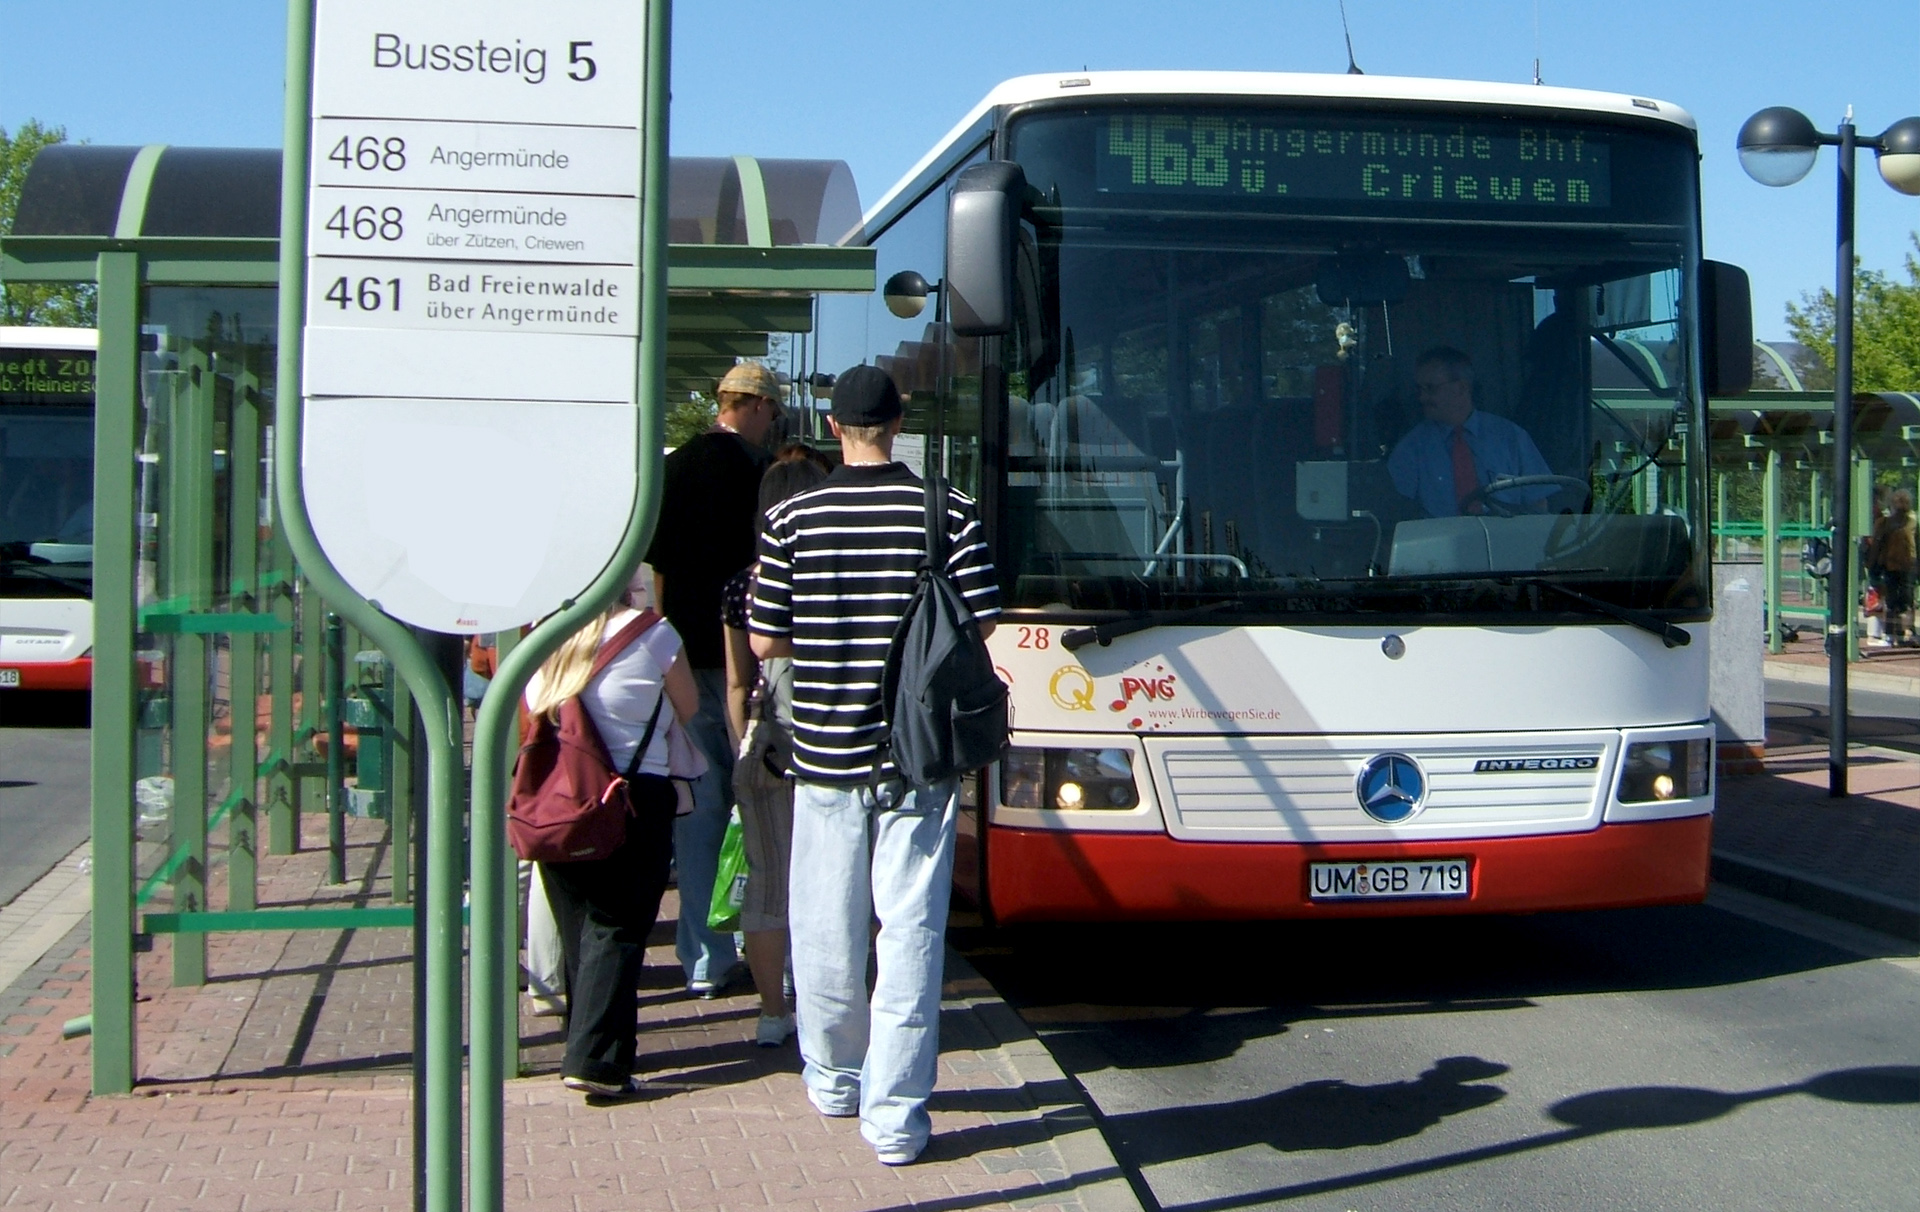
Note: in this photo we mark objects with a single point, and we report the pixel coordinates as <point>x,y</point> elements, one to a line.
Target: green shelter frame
<point>753,255</point>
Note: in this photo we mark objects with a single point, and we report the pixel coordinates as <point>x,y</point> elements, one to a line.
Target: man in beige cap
<point>709,524</point>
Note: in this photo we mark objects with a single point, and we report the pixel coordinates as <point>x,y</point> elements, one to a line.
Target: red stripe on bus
<point>1062,875</point>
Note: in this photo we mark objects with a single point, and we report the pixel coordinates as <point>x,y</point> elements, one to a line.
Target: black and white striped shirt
<point>837,568</point>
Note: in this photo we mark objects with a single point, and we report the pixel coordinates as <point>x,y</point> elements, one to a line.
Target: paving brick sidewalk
<point>1857,858</point>
<point>282,1084</point>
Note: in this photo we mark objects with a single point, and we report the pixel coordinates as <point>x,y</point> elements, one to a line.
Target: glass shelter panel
<point>204,561</point>
<point>1297,364</point>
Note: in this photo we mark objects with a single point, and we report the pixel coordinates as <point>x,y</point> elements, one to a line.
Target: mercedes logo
<point>1390,788</point>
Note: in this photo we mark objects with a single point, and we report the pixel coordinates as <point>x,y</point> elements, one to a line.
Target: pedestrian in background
<point>709,517</point>
<point>838,565</point>
<point>760,715</point>
<point>1891,549</point>
<point>606,907</point>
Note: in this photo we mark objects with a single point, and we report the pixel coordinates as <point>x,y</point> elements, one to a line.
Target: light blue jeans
<point>854,860</point>
<point>705,954</point>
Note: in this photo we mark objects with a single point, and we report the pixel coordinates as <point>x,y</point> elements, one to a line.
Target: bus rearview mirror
<point>983,221</point>
<point>1726,329</point>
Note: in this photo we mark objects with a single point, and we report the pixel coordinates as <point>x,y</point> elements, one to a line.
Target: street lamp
<point>1778,146</point>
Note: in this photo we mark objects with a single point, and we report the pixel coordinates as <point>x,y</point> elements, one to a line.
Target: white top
<point>621,699</point>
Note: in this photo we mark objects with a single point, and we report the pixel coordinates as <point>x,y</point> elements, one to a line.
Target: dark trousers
<point>604,909</point>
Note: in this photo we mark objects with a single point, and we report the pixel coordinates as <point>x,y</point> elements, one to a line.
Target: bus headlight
<point>1665,770</point>
<point>1068,779</point>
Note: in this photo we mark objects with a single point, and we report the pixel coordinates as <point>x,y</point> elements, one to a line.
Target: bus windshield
<point>1293,363</point>
<point>46,473</point>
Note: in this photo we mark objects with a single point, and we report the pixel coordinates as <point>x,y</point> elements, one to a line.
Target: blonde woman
<point>605,907</point>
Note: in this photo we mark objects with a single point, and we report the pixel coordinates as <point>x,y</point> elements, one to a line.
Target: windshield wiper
<point>1670,635</point>
<point>1140,620</point>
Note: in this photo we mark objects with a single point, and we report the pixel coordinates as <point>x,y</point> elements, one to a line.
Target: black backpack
<point>946,709</point>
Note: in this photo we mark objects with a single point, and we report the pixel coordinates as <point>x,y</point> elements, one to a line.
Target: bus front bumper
<point>76,674</point>
<point>1060,875</point>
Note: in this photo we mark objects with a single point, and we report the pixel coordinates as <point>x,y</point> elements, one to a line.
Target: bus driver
<point>1456,449</point>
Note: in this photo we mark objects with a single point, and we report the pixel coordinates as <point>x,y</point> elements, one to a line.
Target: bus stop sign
<point>473,301</point>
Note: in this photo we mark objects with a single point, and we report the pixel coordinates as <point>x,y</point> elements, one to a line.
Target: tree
<point>35,302</point>
<point>1886,327</point>
<point>689,419</point>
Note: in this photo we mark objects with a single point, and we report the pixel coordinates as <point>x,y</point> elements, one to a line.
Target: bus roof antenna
<point>1536,42</point>
<point>1353,69</point>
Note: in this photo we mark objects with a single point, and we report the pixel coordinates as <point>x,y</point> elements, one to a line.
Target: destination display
<point>472,300</point>
<point>1333,157</point>
<point>46,376</point>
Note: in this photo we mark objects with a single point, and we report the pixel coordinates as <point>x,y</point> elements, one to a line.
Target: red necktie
<point>1465,479</point>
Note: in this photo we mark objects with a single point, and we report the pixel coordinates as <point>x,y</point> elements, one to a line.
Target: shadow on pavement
<point>1590,1115</point>
<point>1313,1115</point>
<point>1157,995</point>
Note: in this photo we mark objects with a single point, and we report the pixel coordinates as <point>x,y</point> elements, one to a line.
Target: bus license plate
<point>1387,880</point>
<point>9,677</point>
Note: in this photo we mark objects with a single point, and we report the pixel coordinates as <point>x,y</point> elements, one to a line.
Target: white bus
<point>46,508</point>
<point>1278,645</point>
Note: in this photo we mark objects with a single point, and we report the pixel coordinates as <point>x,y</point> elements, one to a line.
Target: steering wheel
<point>1483,495</point>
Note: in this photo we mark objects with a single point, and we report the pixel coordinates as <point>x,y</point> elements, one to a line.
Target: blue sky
<point>876,83</point>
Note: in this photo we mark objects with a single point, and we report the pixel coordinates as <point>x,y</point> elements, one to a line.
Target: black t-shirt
<point>709,523</point>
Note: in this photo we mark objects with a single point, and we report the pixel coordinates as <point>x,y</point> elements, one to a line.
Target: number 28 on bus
<point>1340,442</point>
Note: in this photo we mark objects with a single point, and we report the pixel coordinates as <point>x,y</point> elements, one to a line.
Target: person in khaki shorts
<point>760,718</point>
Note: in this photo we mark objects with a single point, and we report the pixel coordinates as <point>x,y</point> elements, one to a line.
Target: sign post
<point>473,287</point>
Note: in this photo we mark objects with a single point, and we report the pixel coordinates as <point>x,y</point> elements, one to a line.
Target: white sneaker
<point>546,1005</point>
<point>773,1030</point>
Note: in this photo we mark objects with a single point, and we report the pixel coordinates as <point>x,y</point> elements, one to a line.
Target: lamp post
<point>1778,146</point>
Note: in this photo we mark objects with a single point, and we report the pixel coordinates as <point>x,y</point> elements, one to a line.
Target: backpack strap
<point>616,644</point>
<point>936,507</point>
<point>646,738</point>
<point>621,640</point>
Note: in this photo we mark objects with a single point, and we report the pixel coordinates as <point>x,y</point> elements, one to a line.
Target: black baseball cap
<point>865,395</point>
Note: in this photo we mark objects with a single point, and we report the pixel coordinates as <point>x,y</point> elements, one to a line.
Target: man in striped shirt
<point>837,568</point>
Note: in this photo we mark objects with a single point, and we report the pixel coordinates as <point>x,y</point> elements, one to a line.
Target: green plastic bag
<point>729,879</point>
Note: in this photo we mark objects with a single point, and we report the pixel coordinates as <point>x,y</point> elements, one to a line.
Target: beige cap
<point>751,379</point>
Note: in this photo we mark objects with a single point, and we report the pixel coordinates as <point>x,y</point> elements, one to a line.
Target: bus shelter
<point>1772,460</point>
<point>226,699</point>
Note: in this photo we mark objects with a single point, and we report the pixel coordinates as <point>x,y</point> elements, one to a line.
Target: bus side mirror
<point>983,224</point>
<point>1726,329</point>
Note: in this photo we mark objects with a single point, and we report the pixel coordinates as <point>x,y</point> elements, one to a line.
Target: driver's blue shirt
<point>1422,464</point>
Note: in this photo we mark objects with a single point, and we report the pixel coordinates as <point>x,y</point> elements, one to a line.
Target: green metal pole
<point>243,560</point>
<point>283,788</point>
<point>400,793</point>
<point>336,752</point>
<point>1720,516</point>
<point>187,549</point>
<point>439,709</point>
<point>312,787</point>
<point>1861,516</point>
<point>492,922</point>
<point>111,743</point>
<point>1770,518</point>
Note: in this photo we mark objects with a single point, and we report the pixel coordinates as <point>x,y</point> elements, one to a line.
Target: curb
<point>1814,675</point>
<point>1889,915</point>
<point>1093,1174</point>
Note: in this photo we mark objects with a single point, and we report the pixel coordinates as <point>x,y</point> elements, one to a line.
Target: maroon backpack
<point>568,805</point>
